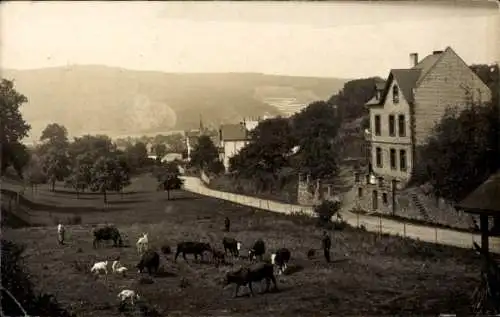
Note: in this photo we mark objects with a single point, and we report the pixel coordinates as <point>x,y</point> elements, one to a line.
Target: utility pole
<point>394,183</point>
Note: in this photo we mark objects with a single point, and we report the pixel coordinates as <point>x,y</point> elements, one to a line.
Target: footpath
<point>371,223</point>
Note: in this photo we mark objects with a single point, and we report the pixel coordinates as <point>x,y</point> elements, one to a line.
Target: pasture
<point>370,274</point>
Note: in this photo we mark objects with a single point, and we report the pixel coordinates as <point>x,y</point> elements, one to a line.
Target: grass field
<point>371,274</point>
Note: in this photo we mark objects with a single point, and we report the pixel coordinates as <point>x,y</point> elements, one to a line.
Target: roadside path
<point>371,223</point>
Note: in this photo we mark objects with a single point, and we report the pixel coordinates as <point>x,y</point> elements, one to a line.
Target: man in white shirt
<point>60,233</point>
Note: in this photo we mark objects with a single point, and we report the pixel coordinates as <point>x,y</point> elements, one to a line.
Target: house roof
<point>233,132</point>
<point>408,78</point>
<point>485,199</point>
<point>407,81</point>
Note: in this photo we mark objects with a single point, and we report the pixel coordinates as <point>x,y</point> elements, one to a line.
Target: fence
<point>369,222</point>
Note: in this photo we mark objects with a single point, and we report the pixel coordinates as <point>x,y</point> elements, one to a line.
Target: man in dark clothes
<point>227,223</point>
<point>326,243</point>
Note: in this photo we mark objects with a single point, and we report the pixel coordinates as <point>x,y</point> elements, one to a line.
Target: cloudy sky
<point>328,39</point>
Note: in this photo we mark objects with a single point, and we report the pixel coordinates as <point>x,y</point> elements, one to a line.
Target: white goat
<point>142,243</point>
<point>99,267</point>
<point>128,294</point>
<point>118,268</point>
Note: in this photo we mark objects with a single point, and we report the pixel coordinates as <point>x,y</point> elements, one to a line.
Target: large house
<point>233,137</point>
<point>405,110</point>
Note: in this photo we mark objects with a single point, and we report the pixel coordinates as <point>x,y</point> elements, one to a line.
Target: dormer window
<point>395,94</point>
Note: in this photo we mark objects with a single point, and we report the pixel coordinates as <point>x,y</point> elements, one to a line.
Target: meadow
<point>370,274</point>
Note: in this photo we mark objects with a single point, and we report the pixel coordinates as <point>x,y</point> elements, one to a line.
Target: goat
<point>128,294</point>
<point>255,273</point>
<point>280,259</point>
<point>218,257</point>
<point>142,243</point>
<point>100,266</point>
<point>117,268</point>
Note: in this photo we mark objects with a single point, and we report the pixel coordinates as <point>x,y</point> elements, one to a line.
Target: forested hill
<point>99,99</point>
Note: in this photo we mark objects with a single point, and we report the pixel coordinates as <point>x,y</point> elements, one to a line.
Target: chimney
<point>436,52</point>
<point>413,59</point>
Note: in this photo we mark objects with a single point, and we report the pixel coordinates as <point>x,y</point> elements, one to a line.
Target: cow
<point>231,245</point>
<point>254,273</point>
<point>189,247</point>
<point>150,261</point>
<point>257,251</point>
<point>280,258</point>
<point>218,257</point>
<point>108,233</point>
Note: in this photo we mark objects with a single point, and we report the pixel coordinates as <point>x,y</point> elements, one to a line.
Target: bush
<point>16,281</point>
<point>326,210</point>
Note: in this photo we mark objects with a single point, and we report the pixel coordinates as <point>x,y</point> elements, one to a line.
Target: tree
<point>137,155</point>
<point>267,153</point>
<point>204,153</point>
<point>109,174</point>
<point>462,152</point>
<point>55,134</point>
<point>13,128</point>
<point>351,99</point>
<point>168,176</point>
<point>55,165</point>
<point>160,150</point>
<point>34,173</point>
<point>80,176</point>
<point>94,146</point>
<point>315,128</point>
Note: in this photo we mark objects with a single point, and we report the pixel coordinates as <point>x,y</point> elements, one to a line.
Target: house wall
<point>385,141</point>
<point>231,148</point>
<point>440,89</point>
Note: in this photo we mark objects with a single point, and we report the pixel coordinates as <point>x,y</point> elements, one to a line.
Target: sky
<point>324,39</point>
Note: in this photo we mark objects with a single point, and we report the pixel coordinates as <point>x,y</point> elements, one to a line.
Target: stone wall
<point>413,203</point>
<point>311,193</point>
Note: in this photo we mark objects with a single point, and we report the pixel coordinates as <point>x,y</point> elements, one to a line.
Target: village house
<point>233,137</point>
<point>404,112</point>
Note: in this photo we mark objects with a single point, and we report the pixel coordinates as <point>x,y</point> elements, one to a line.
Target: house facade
<point>404,112</point>
<point>234,137</point>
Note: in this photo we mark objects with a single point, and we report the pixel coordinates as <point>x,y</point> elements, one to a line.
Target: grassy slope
<point>372,274</point>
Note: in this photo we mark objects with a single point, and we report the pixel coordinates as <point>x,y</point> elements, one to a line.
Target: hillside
<point>100,99</point>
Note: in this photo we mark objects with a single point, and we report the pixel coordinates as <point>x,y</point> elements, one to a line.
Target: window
<point>395,94</point>
<point>402,160</point>
<point>356,177</point>
<point>392,126</point>
<point>378,156</point>
<point>381,182</point>
<point>377,125</point>
<point>384,198</point>
<point>401,125</point>
<point>360,192</point>
<point>393,159</point>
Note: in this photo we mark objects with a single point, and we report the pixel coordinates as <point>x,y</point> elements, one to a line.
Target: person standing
<point>60,233</point>
<point>326,243</point>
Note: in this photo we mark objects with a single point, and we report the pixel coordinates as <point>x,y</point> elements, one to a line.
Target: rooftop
<point>233,132</point>
<point>485,199</point>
